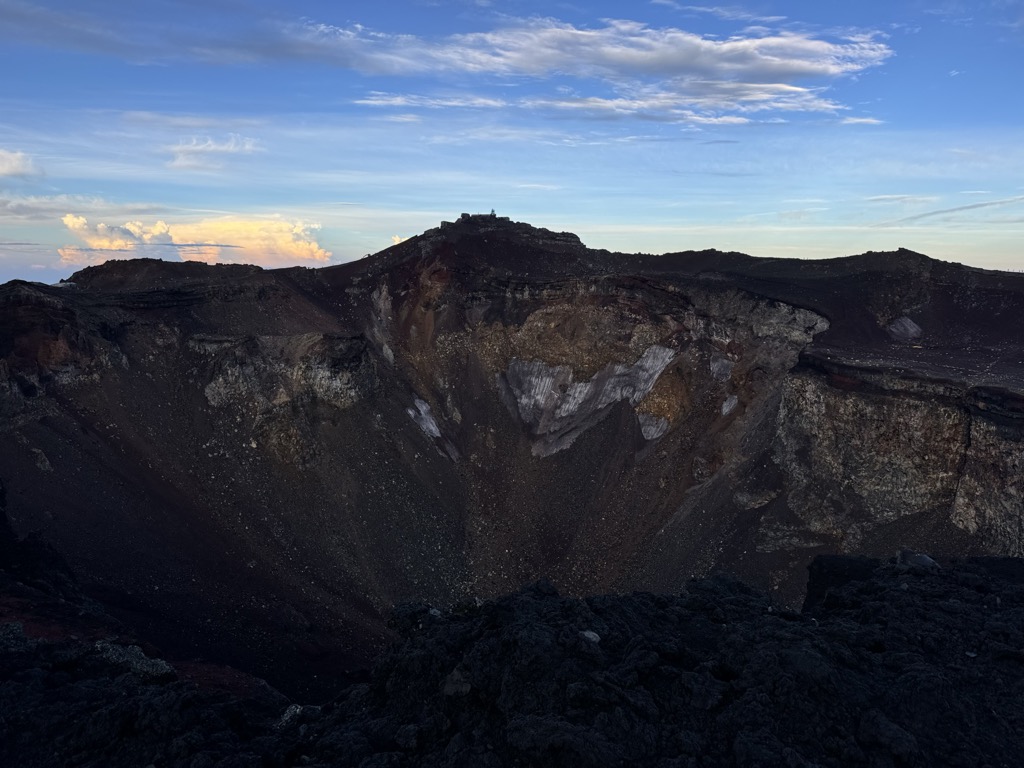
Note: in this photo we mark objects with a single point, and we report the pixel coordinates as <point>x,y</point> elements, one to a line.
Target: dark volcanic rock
<point>895,665</point>
<point>256,465</point>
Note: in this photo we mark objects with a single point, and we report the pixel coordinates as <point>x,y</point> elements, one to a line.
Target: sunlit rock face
<point>260,464</point>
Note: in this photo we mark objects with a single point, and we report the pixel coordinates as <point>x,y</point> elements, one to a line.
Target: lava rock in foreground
<point>888,665</point>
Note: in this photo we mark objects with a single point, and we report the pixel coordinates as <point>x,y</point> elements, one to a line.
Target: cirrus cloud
<point>270,242</point>
<point>207,153</point>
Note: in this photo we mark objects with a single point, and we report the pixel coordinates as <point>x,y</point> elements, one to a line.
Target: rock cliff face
<point>257,465</point>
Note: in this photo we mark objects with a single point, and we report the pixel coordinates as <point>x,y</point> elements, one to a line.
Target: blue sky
<point>314,133</point>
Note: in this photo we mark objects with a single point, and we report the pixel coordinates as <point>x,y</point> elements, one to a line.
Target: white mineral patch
<point>424,418</point>
<point>652,427</point>
<point>730,405</point>
<point>559,409</point>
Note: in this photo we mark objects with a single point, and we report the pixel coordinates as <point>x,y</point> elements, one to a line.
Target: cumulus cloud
<point>207,154</point>
<point>16,164</point>
<point>267,242</point>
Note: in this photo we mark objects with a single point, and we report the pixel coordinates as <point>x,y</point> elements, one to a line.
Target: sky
<point>314,132</point>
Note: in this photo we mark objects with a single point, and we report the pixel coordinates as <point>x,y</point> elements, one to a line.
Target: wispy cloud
<point>380,99</point>
<point>207,153</point>
<point>906,199</point>
<point>664,72</point>
<point>26,208</point>
<point>727,13</point>
<point>861,121</point>
<point>956,210</point>
<point>269,242</point>
<point>30,22</point>
<point>756,70</point>
<point>16,164</point>
<point>620,49</point>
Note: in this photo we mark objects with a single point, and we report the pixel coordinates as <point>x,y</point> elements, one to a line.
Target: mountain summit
<point>257,465</point>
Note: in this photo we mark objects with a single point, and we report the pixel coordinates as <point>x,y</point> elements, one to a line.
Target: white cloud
<point>861,121</point>
<point>20,208</point>
<point>16,164</point>
<point>204,154</point>
<point>759,71</point>
<point>268,242</point>
<point>621,49</point>
<point>727,13</point>
<point>379,99</point>
<point>951,213</point>
<point>758,68</point>
<point>904,199</point>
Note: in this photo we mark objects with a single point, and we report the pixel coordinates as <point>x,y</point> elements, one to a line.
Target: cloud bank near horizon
<point>265,242</point>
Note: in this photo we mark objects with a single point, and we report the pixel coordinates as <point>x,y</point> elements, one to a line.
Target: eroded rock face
<point>271,460</point>
<point>989,502</point>
<point>558,410</point>
<point>857,461</point>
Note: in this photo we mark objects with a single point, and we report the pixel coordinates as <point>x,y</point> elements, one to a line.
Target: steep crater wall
<point>257,466</point>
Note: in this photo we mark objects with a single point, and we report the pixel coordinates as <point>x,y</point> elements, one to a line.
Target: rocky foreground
<point>887,665</point>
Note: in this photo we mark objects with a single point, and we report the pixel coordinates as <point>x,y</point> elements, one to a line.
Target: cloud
<point>665,72</point>
<point>900,199</point>
<point>50,207</point>
<point>725,13</point>
<point>755,70</point>
<point>621,49</point>
<point>404,118</point>
<point>861,121</point>
<point>16,164</point>
<point>204,154</point>
<point>267,242</point>
<point>380,99</point>
<point>26,22</point>
<point>957,209</point>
